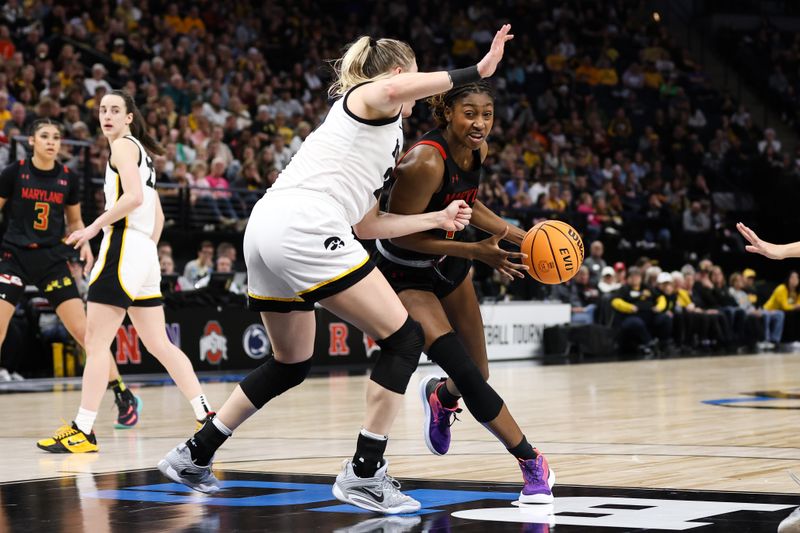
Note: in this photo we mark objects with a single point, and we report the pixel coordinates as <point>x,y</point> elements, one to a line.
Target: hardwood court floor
<point>634,424</point>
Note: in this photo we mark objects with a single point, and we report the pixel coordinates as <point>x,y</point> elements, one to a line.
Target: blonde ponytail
<point>368,59</point>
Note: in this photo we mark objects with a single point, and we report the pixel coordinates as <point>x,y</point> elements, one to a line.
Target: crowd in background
<point>601,118</point>
<point>697,309</point>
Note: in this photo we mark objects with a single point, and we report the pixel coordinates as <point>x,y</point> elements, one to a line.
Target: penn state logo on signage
<point>213,344</point>
<point>256,342</point>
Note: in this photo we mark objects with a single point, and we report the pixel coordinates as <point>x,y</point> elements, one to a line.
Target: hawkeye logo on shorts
<point>213,344</point>
<point>333,243</point>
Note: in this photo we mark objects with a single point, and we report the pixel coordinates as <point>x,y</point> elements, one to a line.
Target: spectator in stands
<point>697,226</point>
<point>170,281</point>
<point>223,265</point>
<point>164,248</point>
<point>217,198</point>
<point>666,308</point>
<point>655,220</point>
<point>595,262</point>
<point>99,73</point>
<point>769,141</point>
<point>226,249</point>
<point>5,112</point>
<point>729,307</point>
<point>302,131</point>
<point>608,282</point>
<point>621,272</point>
<point>199,267</point>
<point>281,152</point>
<point>20,120</point>
<point>518,184</point>
<point>703,296</point>
<point>785,298</point>
<point>768,325</point>
<point>580,294</point>
<point>634,317</point>
<point>214,111</point>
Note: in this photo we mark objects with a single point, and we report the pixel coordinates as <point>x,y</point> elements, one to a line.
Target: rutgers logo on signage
<point>338,339</point>
<point>213,344</point>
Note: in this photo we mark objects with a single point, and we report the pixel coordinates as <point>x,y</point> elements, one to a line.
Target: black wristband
<point>463,76</point>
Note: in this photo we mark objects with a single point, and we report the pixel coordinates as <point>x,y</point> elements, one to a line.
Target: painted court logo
<point>255,342</point>
<point>213,344</point>
<point>765,399</point>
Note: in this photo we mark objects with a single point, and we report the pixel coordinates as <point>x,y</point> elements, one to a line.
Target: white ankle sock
<point>221,427</point>
<point>373,435</point>
<point>85,420</point>
<point>201,406</point>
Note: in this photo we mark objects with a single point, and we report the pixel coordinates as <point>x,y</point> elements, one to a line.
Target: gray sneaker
<point>179,467</point>
<point>383,524</point>
<point>380,493</point>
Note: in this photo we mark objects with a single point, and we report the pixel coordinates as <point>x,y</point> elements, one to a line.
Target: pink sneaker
<point>438,418</point>
<point>539,480</point>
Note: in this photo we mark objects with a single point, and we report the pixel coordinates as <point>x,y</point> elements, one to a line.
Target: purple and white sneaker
<point>438,418</point>
<point>539,480</point>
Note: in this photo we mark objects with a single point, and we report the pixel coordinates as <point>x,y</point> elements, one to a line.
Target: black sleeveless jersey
<point>35,201</point>
<point>457,184</point>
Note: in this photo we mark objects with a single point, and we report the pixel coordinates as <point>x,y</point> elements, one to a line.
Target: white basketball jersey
<point>347,158</point>
<point>143,218</point>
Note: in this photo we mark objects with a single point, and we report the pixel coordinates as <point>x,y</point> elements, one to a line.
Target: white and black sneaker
<point>179,467</point>
<point>380,493</point>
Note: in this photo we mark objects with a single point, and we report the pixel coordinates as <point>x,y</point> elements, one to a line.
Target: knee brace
<point>399,357</point>
<point>482,401</point>
<point>272,379</point>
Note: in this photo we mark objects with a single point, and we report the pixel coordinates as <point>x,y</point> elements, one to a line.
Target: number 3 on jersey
<point>42,216</point>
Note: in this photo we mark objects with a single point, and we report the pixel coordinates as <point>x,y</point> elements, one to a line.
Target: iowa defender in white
<point>294,260</point>
<point>126,276</point>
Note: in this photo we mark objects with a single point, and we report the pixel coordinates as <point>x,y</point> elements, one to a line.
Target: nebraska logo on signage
<point>213,344</point>
<point>128,350</point>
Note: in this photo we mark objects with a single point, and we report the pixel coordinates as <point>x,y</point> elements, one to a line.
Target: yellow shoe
<point>69,439</point>
<point>199,423</point>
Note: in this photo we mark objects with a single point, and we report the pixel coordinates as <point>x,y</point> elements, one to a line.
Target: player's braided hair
<point>42,122</point>
<point>439,102</point>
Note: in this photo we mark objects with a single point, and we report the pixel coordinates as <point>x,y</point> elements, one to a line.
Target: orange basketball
<point>555,251</point>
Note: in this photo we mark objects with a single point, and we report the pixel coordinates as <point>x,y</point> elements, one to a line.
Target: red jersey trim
<point>429,143</point>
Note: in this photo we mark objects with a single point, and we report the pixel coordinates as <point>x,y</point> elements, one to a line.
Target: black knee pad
<point>399,357</point>
<point>482,401</point>
<point>272,379</point>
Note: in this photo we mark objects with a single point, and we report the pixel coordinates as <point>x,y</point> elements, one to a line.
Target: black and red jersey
<point>35,201</point>
<point>457,184</point>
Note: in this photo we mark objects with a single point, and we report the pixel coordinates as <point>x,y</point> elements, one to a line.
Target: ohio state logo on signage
<point>213,344</point>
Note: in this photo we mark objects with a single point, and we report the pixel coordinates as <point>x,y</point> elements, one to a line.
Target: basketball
<point>555,252</point>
